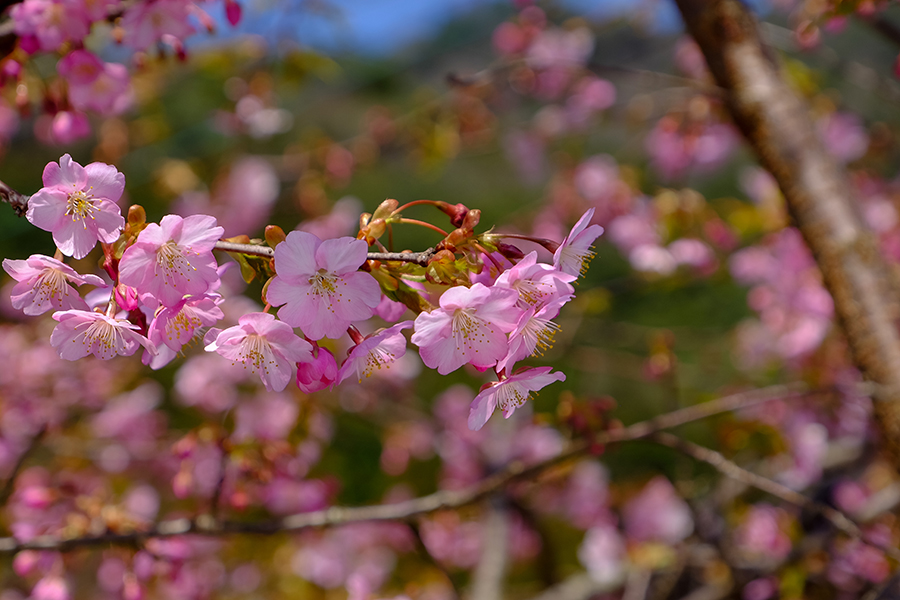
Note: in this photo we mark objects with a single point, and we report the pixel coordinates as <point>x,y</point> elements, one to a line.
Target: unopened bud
<point>456,212</point>
<point>136,215</point>
<point>471,220</point>
<point>510,252</point>
<point>274,235</point>
<point>385,209</point>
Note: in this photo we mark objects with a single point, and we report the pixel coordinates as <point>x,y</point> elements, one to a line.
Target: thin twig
<point>423,550</point>
<point>420,258</point>
<point>841,521</point>
<point>19,202</point>
<point>403,511</point>
<point>10,483</point>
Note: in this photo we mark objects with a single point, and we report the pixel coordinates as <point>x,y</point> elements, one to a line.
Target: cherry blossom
<point>47,24</point>
<point>319,285</point>
<point>44,284</point>
<point>533,334</point>
<point>93,84</point>
<point>319,373</point>
<point>374,352</point>
<point>80,333</point>
<point>658,514</point>
<point>77,205</point>
<point>146,23</point>
<point>175,326</point>
<point>509,394</point>
<point>173,259</point>
<point>604,555</point>
<point>264,346</point>
<point>535,282</point>
<point>469,327</point>
<point>574,253</point>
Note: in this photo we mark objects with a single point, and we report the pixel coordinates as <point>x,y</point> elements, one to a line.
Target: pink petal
<point>105,181</point>
<point>342,255</point>
<point>295,256</point>
<point>66,173</point>
<point>47,208</point>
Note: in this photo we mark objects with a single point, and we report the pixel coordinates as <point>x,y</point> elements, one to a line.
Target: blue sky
<point>382,27</point>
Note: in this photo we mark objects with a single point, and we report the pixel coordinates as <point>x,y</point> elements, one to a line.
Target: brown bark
<point>776,122</point>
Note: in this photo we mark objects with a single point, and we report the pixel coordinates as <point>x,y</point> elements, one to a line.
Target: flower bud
<point>456,212</point>
<point>318,374</point>
<point>274,235</point>
<point>385,209</point>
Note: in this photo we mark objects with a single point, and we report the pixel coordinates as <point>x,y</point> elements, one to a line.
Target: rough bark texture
<point>776,122</point>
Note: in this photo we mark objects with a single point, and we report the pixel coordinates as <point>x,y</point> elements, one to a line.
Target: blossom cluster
<point>165,292</point>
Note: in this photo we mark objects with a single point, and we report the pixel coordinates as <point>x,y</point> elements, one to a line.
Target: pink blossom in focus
<point>265,346</point>
<point>43,284</point>
<point>77,204</point>
<point>537,284</point>
<point>658,514</point>
<point>145,23</point>
<point>374,352</point>
<point>534,333</point>
<point>469,327</point>
<point>80,333</point>
<point>93,84</point>
<point>509,394</point>
<point>175,326</point>
<point>319,285</point>
<point>319,373</point>
<point>173,259</point>
<point>574,253</point>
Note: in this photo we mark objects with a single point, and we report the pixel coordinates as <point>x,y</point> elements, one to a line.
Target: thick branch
<point>777,124</point>
<point>402,511</point>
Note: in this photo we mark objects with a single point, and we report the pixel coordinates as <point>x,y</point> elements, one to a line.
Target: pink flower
<point>263,345</point>
<point>469,327</point>
<point>320,373</point>
<point>604,555</point>
<point>175,326</point>
<point>319,285</point>
<point>376,351</point>
<point>574,254</point>
<point>80,333</point>
<point>533,334</point>
<point>509,394</point>
<point>93,84</point>
<point>50,22</point>
<point>658,514</point>
<point>536,283</point>
<point>173,259</point>
<point>78,205</point>
<point>44,284</point>
<point>146,22</point>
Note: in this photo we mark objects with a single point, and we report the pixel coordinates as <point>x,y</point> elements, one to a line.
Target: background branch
<point>730,469</point>
<point>403,511</point>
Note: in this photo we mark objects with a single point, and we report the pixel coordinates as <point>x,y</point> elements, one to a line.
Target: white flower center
<point>540,334</point>
<point>581,258</point>
<point>256,354</point>
<point>170,257</point>
<point>532,292</point>
<point>467,328</point>
<point>105,333</point>
<point>510,396</point>
<point>323,283</point>
<point>376,358</point>
<point>50,286</point>
<point>79,205</point>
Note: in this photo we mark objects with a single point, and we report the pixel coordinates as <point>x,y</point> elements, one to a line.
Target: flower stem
<point>423,224</point>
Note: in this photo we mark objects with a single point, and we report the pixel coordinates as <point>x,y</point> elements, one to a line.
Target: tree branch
<point>419,258</point>
<point>402,511</point>
<point>777,124</point>
<point>10,483</point>
<point>730,469</point>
